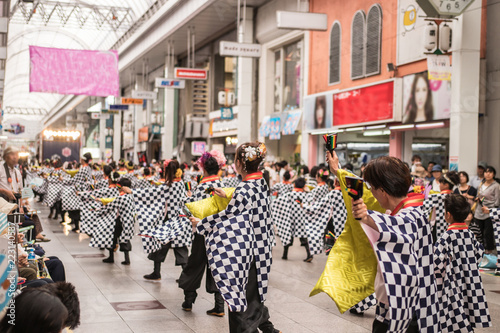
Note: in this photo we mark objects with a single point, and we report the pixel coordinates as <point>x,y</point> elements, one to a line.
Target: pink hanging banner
<point>74,72</point>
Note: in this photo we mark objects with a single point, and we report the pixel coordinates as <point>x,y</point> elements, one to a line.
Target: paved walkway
<point>116,298</point>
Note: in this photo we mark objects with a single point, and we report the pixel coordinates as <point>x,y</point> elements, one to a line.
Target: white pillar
<point>102,137</point>
<point>245,82</point>
<point>408,146</point>
<point>167,134</point>
<point>465,89</point>
<point>137,118</point>
<point>117,136</point>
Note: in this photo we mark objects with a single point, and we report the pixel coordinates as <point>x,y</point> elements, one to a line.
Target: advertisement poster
<point>368,104</point>
<point>21,127</point>
<point>291,122</point>
<point>275,124</point>
<point>424,99</point>
<point>318,111</point>
<point>265,127</point>
<point>198,148</point>
<point>411,25</point>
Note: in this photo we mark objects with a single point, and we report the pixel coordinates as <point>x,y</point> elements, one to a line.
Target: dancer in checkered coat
<point>197,265</point>
<point>404,285</point>
<point>495,219</point>
<point>231,179</point>
<point>321,190</point>
<point>282,188</point>
<point>435,203</point>
<point>238,241</point>
<point>115,224</point>
<point>292,220</point>
<point>150,204</point>
<point>54,188</point>
<point>80,182</point>
<point>462,302</point>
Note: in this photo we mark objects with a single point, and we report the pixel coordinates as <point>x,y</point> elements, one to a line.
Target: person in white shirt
<point>437,172</point>
<point>10,177</point>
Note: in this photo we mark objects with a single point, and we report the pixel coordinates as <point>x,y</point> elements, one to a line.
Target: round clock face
<point>450,7</point>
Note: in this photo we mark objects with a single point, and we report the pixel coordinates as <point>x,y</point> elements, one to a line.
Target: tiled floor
<point>156,306</point>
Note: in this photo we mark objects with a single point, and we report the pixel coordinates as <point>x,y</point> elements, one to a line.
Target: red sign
<point>364,105</point>
<point>66,152</point>
<point>190,74</point>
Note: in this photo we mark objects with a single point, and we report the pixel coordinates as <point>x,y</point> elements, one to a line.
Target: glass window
<point>288,77</point>
<point>225,77</point>
<point>335,39</point>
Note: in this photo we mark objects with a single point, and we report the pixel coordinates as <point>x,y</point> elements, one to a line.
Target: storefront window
<point>288,77</point>
<point>225,77</point>
<point>158,107</point>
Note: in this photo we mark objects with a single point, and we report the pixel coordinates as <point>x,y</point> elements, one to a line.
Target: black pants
<point>181,254</point>
<point>380,327</point>
<point>486,227</point>
<point>37,283</point>
<point>74,215</point>
<point>256,315</point>
<point>56,269</point>
<point>125,246</point>
<point>197,264</point>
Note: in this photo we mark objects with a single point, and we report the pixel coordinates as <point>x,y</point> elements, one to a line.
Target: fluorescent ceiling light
<point>323,131</point>
<point>301,20</point>
<point>431,125</point>
<point>399,127</point>
<point>376,133</point>
<point>375,127</point>
<point>354,129</point>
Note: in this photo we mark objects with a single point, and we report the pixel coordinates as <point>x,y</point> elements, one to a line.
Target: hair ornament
<point>166,163</point>
<point>250,153</point>
<point>178,173</point>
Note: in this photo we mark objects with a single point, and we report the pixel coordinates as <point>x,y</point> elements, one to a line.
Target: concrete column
<point>117,136</point>
<point>407,143</point>
<point>138,111</point>
<point>167,133</point>
<point>396,144</point>
<point>246,114</point>
<point>465,89</point>
<point>102,138</point>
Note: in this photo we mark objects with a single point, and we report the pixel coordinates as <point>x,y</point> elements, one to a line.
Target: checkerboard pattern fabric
<point>238,236</point>
<point>82,177</point>
<point>70,201</point>
<point>133,179</point>
<point>231,182</point>
<point>54,190</point>
<point>97,175</point>
<point>462,303</point>
<point>404,252</point>
<point>365,304</point>
<point>281,188</point>
<point>100,184</point>
<point>198,193</point>
<point>143,183</point>
<point>122,206</point>
<point>434,204</point>
<point>317,194</point>
<point>88,214</point>
<point>495,219</point>
<point>182,227</point>
<point>293,219</point>
<point>331,206</point>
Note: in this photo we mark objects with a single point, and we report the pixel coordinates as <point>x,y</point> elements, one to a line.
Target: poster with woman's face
<point>318,111</point>
<point>424,99</point>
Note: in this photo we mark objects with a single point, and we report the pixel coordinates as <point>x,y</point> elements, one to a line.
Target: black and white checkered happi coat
<point>281,188</point>
<point>133,179</point>
<point>318,193</point>
<point>238,236</point>
<point>54,189</point>
<point>292,219</point>
<point>434,205</point>
<point>123,207</point>
<point>319,214</point>
<point>462,303</point>
<point>80,182</point>
<point>495,219</point>
<point>143,183</point>
<point>88,214</point>
<point>230,182</point>
<point>150,207</point>
<point>404,251</point>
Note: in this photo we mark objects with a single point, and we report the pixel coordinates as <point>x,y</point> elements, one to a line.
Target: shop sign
<point>128,139</point>
<point>112,111</point>
<point>156,129</point>
<point>198,148</point>
<point>225,125</point>
<point>291,122</point>
<point>190,73</point>
<point>439,67</point>
<point>167,83</point>
<point>265,127</point>
<point>351,107</point>
<point>275,124</point>
<point>454,163</point>
<point>144,94</point>
<point>233,49</point>
<point>99,115</point>
<point>226,113</point>
<point>108,153</point>
<point>109,141</point>
<point>133,101</point>
<point>143,134</point>
<point>118,107</point>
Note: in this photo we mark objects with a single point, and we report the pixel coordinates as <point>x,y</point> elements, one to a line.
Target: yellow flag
<point>210,206</point>
<point>106,201</point>
<point>72,173</point>
<point>349,275</point>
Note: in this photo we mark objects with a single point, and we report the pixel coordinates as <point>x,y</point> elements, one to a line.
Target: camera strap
<point>9,179</point>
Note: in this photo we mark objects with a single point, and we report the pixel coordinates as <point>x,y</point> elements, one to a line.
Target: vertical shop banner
<point>74,72</point>
<point>318,111</point>
<point>410,38</point>
<point>265,127</point>
<point>291,122</point>
<point>424,99</point>
<point>275,124</point>
<point>143,134</point>
<point>369,104</point>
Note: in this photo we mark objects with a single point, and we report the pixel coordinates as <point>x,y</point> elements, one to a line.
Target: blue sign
<point>118,107</point>
<point>226,113</point>
<point>156,129</point>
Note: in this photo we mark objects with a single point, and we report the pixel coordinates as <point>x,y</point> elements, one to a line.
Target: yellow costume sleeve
<point>106,201</point>
<point>351,267</point>
<point>72,173</point>
<point>210,206</point>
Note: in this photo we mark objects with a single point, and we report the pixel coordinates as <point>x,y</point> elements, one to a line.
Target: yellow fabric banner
<point>349,275</point>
